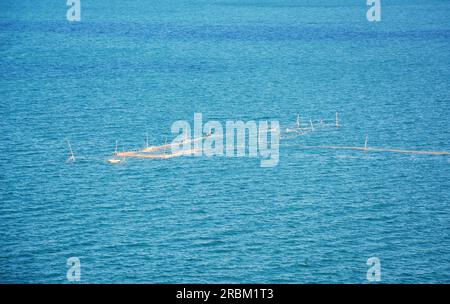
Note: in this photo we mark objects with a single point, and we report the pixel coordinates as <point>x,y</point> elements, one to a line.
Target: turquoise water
<point>132,67</point>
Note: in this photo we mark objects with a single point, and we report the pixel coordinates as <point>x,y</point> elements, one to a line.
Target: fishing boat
<point>115,160</point>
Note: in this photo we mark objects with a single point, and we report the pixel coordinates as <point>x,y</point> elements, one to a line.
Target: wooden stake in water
<point>72,156</point>
<point>311,123</point>
<point>366,142</point>
<point>337,120</point>
<point>298,121</point>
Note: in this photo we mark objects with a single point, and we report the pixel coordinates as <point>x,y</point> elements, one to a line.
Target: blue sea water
<point>132,67</point>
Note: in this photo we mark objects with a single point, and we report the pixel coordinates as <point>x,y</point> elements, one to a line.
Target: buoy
<point>114,160</point>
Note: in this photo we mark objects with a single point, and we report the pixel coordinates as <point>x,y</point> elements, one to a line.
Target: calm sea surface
<point>132,67</point>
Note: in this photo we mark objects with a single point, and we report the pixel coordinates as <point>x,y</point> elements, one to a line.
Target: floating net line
<point>297,130</point>
<point>369,149</point>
